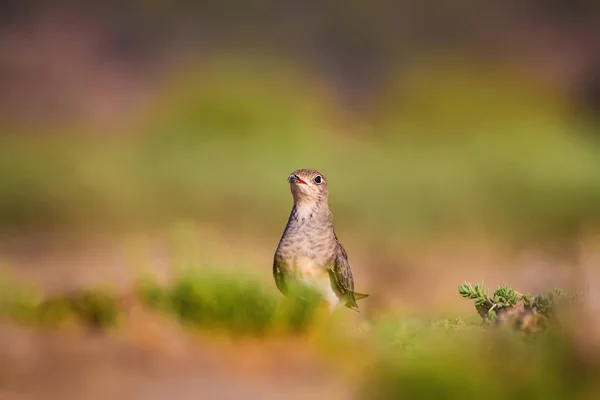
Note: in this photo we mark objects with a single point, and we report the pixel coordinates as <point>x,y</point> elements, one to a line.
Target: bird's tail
<point>351,300</point>
<point>358,296</point>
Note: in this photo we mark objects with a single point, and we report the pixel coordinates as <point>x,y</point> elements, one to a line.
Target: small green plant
<point>548,303</point>
<point>488,307</point>
<point>525,309</point>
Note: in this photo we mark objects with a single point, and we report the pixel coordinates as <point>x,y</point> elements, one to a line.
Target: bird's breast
<point>304,263</point>
<point>310,273</point>
<point>304,266</point>
<point>307,247</point>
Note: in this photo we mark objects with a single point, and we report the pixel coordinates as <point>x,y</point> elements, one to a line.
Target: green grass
<point>96,308</point>
<point>227,303</point>
<point>201,299</point>
<point>476,363</point>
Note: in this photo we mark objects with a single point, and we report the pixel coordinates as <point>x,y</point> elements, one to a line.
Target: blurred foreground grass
<point>460,147</point>
<point>96,308</point>
<point>458,361</point>
<point>397,357</point>
<point>198,298</point>
<point>219,302</point>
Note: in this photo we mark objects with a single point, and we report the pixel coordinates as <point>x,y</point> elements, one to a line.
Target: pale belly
<point>311,275</point>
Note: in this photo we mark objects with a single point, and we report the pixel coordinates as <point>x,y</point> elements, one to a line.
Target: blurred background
<point>461,140</point>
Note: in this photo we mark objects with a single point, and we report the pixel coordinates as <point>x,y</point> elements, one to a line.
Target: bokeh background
<point>461,141</point>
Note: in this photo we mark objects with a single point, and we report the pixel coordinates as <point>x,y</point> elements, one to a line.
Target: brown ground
<point>74,365</point>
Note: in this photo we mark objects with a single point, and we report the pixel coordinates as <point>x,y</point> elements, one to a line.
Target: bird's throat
<point>304,210</point>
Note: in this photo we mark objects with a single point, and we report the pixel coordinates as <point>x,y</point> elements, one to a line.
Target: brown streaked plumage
<point>309,251</point>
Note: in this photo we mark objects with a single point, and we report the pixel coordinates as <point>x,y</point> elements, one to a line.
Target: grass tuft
<point>94,307</point>
<point>238,305</point>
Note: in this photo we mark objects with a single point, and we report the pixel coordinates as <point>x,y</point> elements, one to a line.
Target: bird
<point>309,252</point>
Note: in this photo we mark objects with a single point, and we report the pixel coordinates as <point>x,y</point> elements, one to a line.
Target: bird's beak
<point>293,178</point>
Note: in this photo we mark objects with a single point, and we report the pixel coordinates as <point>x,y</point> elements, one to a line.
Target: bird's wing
<point>278,275</point>
<point>342,275</point>
<point>342,271</point>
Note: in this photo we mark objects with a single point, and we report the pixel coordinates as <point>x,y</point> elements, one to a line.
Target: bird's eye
<point>318,179</point>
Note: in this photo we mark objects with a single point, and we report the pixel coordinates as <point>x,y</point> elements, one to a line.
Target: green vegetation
<point>95,308</point>
<point>17,301</point>
<point>482,363</point>
<point>455,359</point>
<point>505,299</point>
<point>239,305</point>
<point>200,299</point>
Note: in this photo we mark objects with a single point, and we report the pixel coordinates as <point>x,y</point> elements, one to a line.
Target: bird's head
<point>308,186</point>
